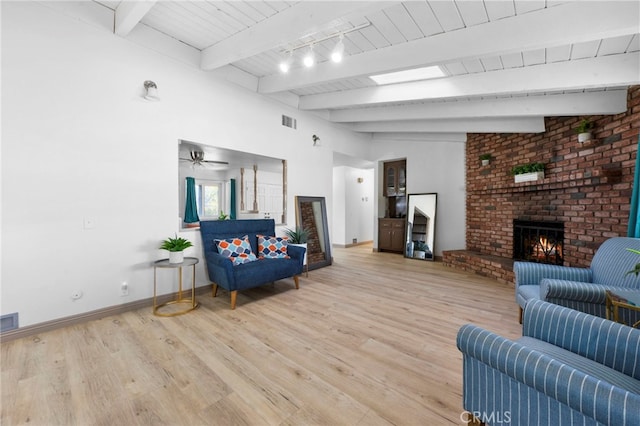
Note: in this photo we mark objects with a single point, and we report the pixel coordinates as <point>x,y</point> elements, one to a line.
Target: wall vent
<point>289,122</point>
<point>9,322</point>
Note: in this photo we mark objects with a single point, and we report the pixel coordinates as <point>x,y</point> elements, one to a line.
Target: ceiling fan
<point>197,159</point>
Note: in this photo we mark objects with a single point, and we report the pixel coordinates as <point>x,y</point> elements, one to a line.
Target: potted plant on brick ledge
<point>528,172</point>
<point>584,130</point>
<point>485,159</point>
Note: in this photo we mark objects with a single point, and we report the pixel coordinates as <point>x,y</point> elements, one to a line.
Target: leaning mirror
<point>220,183</point>
<point>311,216</point>
<point>421,226</point>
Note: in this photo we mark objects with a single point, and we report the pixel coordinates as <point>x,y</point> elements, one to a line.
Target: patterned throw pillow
<point>272,247</point>
<point>238,250</point>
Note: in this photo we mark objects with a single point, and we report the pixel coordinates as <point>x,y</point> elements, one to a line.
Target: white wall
<point>338,226</point>
<point>353,205</point>
<point>431,167</point>
<point>79,142</point>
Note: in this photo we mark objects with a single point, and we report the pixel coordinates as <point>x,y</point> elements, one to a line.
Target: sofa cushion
<point>272,247</point>
<point>592,368</point>
<point>524,293</point>
<point>238,250</point>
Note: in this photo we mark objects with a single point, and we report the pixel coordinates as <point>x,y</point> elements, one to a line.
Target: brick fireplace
<point>587,188</point>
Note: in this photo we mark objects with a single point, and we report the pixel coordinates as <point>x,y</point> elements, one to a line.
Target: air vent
<point>289,122</point>
<point>9,322</point>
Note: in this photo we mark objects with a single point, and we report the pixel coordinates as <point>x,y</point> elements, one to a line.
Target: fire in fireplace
<point>538,241</point>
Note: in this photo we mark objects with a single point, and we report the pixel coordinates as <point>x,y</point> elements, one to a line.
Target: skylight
<point>409,75</point>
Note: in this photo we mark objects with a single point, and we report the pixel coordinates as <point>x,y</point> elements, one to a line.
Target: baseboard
<point>42,327</point>
<point>353,245</point>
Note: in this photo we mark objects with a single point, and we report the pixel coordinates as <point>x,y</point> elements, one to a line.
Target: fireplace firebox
<point>540,242</point>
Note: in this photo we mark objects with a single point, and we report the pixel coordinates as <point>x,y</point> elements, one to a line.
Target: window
<point>209,198</point>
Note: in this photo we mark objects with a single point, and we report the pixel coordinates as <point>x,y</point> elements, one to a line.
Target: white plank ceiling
<point>508,63</point>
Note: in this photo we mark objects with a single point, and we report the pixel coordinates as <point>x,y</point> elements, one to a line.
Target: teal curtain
<point>634,214</point>
<point>232,199</point>
<point>190,207</point>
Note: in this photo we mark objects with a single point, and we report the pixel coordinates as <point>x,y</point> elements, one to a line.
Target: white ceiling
<point>509,63</point>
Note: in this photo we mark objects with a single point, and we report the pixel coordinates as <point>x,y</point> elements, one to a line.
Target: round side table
<point>190,303</point>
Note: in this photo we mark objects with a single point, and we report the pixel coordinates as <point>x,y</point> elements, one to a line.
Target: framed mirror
<point>421,226</point>
<point>311,215</point>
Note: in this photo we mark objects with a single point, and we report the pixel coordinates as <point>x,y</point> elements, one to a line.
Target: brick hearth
<point>587,186</point>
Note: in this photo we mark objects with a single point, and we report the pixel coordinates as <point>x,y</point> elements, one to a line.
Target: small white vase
<point>584,137</point>
<point>176,256</point>
<point>485,162</point>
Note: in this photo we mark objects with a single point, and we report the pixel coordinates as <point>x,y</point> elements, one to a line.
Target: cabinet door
<point>401,188</point>
<point>397,236</point>
<point>384,235</point>
<point>390,175</point>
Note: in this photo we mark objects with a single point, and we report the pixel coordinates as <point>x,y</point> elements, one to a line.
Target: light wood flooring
<point>368,341</point>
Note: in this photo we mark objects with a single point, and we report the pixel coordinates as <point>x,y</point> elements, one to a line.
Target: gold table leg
<point>179,300</point>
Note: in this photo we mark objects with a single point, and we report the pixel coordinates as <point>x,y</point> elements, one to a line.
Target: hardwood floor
<point>367,341</point>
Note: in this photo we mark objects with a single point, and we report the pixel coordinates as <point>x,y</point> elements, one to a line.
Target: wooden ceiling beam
<point>464,125</point>
<point>128,14</point>
<point>585,103</point>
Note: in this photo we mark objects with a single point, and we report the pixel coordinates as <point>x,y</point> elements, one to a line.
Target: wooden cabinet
<point>391,235</point>
<point>395,178</point>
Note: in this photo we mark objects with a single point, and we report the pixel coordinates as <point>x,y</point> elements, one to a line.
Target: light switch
<point>89,223</point>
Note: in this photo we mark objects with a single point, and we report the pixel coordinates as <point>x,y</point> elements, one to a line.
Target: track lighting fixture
<point>309,60</point>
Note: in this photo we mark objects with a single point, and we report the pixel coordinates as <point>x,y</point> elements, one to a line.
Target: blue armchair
<point>568,368</point>
<point>582,289</point>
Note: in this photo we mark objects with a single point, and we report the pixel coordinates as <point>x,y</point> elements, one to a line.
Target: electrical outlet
<point>76,295</point>
<point>124,289</point>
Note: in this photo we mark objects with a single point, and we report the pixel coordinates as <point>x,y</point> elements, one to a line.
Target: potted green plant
<point>298,237</point>
<point>584,130</point>
<point>485,158</point>
<point>420,250</point>
<point>176,246</point>
<point>528,172</point>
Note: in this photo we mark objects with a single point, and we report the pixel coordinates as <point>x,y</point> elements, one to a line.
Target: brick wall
<point>587,186</point>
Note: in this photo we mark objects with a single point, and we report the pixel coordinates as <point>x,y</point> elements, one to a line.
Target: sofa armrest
<point>297,253</point>
<point>597,399</point>
<point>574,290</point>
<point>531,273</point>
<point>606,342</point>
<point>220,270</point>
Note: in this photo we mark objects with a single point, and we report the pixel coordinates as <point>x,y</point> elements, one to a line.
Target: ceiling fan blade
<point>215,162</point>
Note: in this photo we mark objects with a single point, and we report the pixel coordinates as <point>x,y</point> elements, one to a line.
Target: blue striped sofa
<point>568,368</point>
<point>582,289</point>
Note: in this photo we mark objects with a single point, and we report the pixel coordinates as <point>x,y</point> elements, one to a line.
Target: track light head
<point>285,65</point>
<point>309,59</point>
<point>338,51</point>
